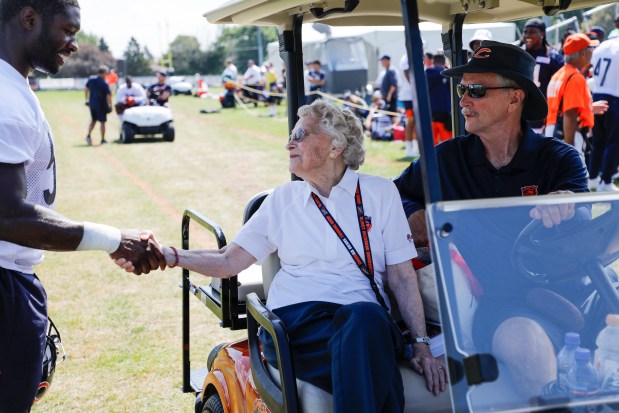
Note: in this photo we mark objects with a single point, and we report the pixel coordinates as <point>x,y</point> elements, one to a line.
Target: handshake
<point>140,253</point>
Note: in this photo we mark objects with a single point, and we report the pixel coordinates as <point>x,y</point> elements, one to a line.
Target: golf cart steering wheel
<point>542,254</point>
<point>527,251</point>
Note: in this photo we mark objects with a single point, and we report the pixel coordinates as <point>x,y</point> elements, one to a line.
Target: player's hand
<point>142,250</point>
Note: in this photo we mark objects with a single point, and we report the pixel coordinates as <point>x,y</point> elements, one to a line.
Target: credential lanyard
<point>367,267</point>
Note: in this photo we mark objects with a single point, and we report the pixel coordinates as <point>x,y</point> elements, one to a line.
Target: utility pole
<point>260,51</point>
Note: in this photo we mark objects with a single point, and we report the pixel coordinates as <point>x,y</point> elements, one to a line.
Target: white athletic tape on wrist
<point>99,237</point>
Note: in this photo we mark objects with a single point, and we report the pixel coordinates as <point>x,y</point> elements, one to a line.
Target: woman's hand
<point>433,369</point>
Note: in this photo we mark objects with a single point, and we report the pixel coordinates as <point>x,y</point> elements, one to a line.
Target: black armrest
<point>279,399</point>
<point>221,310</point>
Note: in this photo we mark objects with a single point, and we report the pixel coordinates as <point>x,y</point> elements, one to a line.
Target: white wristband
<point>99,237</point>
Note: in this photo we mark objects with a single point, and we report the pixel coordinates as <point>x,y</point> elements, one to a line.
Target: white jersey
<point>25,138</point>
<point>252,75</point>
<point>605,63</point>
<point>136,90</point>
<point>230,71</point>
<point>405,91</point>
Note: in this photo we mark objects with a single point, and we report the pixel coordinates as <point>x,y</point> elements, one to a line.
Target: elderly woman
<point>341,236</point>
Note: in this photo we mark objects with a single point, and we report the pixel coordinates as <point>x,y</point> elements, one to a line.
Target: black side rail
<point>219,308</point>
<point>279,399</point>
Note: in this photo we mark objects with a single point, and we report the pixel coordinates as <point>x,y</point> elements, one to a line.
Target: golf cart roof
<point>384,12</point>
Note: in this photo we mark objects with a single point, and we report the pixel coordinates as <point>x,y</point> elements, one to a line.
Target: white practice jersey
<point>605,63</point>
<point>405,91</point>
<point>136,91</point>
<point>25,138</point>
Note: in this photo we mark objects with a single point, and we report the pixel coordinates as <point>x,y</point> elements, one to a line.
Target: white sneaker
<point>604,187</point>
<point>594,183</point>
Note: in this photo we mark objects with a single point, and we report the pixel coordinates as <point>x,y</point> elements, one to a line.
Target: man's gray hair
<point>507,82</point>
<point>342,126</point>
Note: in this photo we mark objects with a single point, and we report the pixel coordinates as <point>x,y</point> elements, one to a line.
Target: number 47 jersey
<point>25,138</point>
<point>605,63</point>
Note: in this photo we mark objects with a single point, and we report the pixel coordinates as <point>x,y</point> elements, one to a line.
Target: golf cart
<point>180,86</point>
<point>151,119</point>
<point>574,260</point>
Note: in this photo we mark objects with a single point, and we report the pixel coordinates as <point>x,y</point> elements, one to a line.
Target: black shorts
<point>23,325</point>
<point>98,114</point>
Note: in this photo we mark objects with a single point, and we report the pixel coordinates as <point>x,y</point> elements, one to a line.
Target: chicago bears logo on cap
<point>530,190</point>
<point>482,53</point>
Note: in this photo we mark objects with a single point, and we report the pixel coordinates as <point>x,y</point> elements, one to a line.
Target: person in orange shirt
<point>112,79</point>
<point>569,95</point>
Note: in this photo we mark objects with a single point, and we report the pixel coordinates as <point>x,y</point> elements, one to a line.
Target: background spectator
<point>605,153</point>
<point>547,60</point>
<point>478,36</point>
<point>405,93</point>
<point>160,92</point>
<point>440,99</point>
<point>389,84</point>
<point>316,79</point>
<point>99,100</point>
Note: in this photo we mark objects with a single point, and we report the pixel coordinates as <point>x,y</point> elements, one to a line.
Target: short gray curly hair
<point>343,126</point>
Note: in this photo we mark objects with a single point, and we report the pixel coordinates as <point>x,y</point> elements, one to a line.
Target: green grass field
<point>123,333</point>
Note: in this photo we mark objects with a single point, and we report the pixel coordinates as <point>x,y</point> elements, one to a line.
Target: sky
<point>154,23</point>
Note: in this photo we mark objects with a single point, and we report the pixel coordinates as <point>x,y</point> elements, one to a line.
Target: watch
<point>425,340</point>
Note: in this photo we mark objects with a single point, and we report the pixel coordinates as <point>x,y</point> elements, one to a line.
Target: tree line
<point>184,53</point>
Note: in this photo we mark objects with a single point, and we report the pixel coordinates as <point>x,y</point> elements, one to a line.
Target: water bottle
<point>606,359</point>
<point>566,359</point>
<point>582,378</point>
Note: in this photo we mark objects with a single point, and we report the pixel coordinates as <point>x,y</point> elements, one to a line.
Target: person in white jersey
<point>405,94</point>
<point>605,153</point>
<point>38,34</point>
<point>230,71</point>
<point>129,94</point>
<point>252,79</point>
<point>330,295</point>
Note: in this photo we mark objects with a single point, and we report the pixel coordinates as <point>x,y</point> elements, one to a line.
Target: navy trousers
<point>605,153</point>
<point>23,325</point>
<point>348,350</point>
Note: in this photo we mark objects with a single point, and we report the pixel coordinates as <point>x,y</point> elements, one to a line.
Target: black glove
<point>108,108</point>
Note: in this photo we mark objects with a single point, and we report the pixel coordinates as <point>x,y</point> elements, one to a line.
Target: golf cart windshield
<point>497,264</point>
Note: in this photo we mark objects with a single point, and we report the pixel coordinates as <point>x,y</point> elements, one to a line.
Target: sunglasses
<point>299,134</point>
<point>477,91</point>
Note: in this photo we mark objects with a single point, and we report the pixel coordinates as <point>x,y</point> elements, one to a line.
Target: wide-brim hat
<point>512,63</point>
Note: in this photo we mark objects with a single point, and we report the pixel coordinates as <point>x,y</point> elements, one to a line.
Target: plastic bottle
<point>606,359</point>
<point>582,379</point>
<point>566,359</point>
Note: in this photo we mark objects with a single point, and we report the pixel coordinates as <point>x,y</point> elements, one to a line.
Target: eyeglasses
<point>477,91</point>
<point>299,134</point>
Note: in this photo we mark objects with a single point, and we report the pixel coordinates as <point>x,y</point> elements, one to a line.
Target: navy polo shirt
<point>439,90</point>
<point>541,165</point>
<point>99,90</point>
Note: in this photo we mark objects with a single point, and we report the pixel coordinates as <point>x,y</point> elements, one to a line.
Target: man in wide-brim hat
<point>501,156</point>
